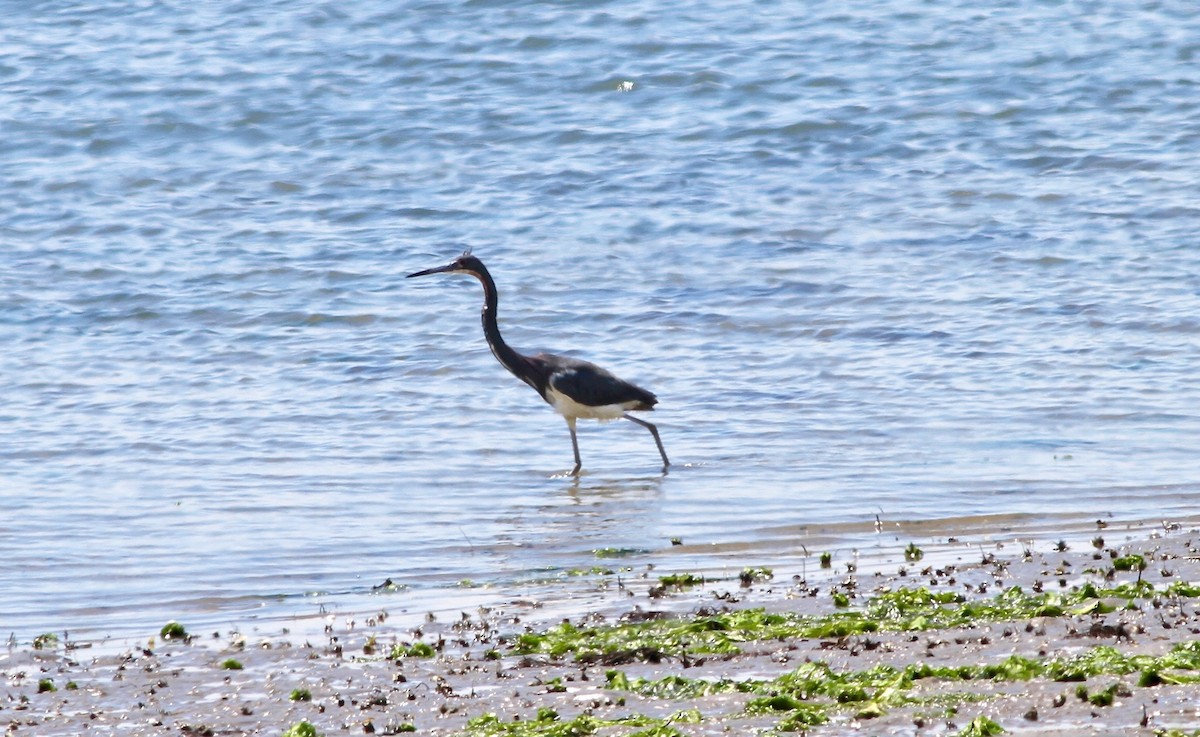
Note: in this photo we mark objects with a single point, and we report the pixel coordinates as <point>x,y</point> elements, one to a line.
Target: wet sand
<point>337,675</point>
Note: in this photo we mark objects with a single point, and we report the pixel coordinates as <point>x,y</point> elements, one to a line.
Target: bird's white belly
<point>569,408</point>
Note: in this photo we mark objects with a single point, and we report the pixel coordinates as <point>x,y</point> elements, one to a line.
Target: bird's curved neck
<point>508,357</point>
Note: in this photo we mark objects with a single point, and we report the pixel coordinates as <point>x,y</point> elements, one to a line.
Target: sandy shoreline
<point>341,678</point>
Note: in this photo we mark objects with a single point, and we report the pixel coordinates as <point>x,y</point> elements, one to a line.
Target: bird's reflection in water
<point>586,488</point>
<point>574,516</point>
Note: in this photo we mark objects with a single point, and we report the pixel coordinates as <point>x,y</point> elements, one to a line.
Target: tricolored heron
<point>576,389</point>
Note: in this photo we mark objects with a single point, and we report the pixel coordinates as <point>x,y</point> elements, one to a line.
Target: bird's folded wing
<point>591,385</point>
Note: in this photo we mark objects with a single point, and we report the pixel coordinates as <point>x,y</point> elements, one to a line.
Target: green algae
<point>1105,697</point>
<point>719,633</point>
<point>802,719</point>
<point>681,580</point>
<point>668,687</point>
<point>755,575</point>
<point>549,724</point>
<point>302,729</point>
<point>173,631</point>
<point>747,577</point>
<point>415,650</point>
<point>592,571</point>
<point>1130,563</point>
<point>300,694</point>
<point>807,695</point>
<point>981,727</point>
<point>772,704</point>
<point>617,552</point>
<point>901,610</point>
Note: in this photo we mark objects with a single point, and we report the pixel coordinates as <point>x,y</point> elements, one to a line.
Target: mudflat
<point>1095,631</point>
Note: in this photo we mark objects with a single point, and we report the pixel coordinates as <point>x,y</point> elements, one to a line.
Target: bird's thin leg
<point>653,431</point>
<point>574,446</point>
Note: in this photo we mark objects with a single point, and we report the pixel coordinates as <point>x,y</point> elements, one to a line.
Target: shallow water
<point>886,259</point>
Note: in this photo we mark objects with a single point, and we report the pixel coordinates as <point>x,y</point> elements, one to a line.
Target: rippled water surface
<point>920,261</point>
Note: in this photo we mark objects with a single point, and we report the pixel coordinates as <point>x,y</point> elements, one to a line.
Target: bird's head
<point>464,264</point>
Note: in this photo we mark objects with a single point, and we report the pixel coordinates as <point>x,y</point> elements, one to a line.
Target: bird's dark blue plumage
<point>575,388</point>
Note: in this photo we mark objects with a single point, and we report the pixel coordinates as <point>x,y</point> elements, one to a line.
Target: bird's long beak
<point>436,270</point>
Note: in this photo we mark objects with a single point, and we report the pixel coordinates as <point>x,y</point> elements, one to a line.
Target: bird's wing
<point>592,386</point>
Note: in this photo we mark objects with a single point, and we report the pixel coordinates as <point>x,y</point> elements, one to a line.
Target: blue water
<point>896,259</point>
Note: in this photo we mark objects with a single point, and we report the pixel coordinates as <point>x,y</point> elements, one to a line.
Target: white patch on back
<point>568,407</point>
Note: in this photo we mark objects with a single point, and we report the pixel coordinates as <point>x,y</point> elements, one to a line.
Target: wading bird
<point>576,389</point>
